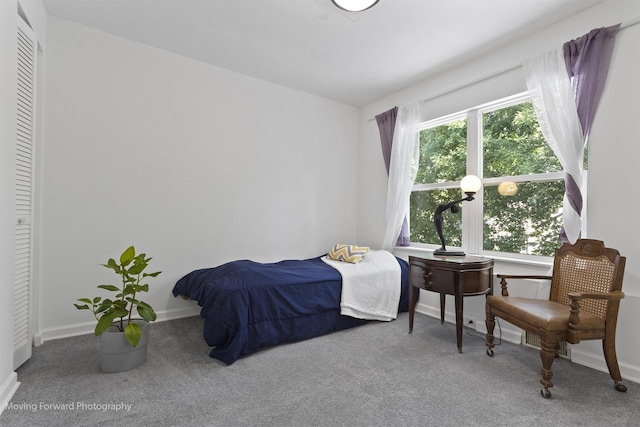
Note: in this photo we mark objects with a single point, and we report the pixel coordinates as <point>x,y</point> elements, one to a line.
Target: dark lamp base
<point>444,252</point>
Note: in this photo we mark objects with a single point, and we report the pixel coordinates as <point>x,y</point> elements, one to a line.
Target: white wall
<point>193,164</point>
<point>614,148</point>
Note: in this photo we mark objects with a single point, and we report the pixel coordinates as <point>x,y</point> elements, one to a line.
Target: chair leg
<point>547,355</point>
<point>490,322</point>
<point>609,348</point>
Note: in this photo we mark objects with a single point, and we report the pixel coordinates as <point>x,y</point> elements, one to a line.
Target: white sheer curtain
<point>554,102</point>
<point>405,154</point>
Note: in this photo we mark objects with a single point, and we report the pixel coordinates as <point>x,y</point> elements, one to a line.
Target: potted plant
<point>123,337</point>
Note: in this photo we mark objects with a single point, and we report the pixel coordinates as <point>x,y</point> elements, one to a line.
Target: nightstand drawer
<point>476,282</point>
<point>431,279</point>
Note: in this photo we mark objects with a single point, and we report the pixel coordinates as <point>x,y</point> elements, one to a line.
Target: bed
<point>249,305</point>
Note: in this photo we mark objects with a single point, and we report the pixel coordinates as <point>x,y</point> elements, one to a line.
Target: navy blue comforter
<point>249,305</point>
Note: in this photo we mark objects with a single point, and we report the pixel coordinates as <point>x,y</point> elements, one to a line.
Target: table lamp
<point>470,185</point>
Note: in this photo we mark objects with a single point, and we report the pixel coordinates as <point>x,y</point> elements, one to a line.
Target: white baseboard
<point>7,390</point>
<point>179,313</point>
<point>429,311</point>
<point>88,327</point>
<point>509,335</point>
<point>628,372</point>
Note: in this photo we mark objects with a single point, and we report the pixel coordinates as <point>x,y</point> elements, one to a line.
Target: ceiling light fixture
<point>355,5</point>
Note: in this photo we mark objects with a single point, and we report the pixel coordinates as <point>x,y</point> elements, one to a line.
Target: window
<point>519,209</point>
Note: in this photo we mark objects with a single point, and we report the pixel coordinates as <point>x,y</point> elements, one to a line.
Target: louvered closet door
<point>23,334</point>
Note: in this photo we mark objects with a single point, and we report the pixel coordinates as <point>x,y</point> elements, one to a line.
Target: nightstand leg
<point>413,297</point>
<point>459,310</point>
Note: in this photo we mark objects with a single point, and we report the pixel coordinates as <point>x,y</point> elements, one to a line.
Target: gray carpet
<point>373,375</point>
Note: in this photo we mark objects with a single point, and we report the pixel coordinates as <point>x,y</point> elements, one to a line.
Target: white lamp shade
<point>470,184</point>
<point>354,5</point>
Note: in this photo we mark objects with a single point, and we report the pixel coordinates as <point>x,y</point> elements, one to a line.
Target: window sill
<point>503,260</point>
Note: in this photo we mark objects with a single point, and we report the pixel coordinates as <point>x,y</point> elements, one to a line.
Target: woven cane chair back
<point>578,273</point>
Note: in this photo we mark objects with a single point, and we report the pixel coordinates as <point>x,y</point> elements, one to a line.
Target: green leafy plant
<point>119,311</point>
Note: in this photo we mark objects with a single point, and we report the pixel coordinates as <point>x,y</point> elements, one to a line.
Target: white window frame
<point>473,212</point>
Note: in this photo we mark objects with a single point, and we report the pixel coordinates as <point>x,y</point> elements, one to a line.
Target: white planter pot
<point>117,355</point>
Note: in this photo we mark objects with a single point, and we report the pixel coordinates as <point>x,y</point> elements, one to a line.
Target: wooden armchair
<point>583,304</point>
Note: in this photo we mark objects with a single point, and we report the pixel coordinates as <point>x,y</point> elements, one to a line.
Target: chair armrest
<point>574,317</point>
<point>503,281</point>
<point>610,296</point>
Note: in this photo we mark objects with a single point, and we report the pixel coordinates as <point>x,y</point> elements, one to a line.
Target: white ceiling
<point>311,45</point>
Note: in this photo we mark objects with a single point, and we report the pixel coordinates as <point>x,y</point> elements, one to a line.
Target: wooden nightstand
<point>459,276</point>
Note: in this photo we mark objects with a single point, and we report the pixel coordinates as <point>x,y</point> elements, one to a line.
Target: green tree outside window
<point>513,148</point>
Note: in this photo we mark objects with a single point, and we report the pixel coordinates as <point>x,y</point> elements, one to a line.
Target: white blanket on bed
<point>370,289</point>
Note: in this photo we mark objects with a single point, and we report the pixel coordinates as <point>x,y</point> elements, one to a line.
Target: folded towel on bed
<point>370,289</point>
